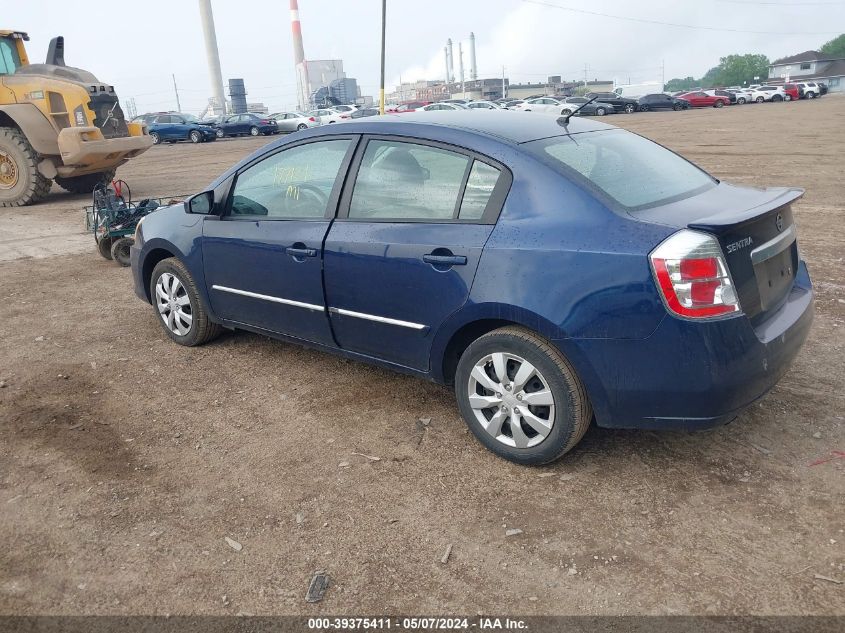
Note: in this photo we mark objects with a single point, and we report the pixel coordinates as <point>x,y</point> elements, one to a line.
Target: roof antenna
<point>563,121</point>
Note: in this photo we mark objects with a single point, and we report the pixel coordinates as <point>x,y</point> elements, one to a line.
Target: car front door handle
<point>445,260</point>
<point>301,252</point>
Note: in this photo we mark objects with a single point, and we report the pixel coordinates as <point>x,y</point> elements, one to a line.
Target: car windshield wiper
<point>564,120</point>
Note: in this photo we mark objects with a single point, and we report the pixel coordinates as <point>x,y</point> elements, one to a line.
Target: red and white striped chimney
<point>302,88</point>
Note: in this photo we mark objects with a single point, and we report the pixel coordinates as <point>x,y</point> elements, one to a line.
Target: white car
<point>442,106</point>
<point>810,89</point>
<point>742,96</point>
<point>345,109</point>
<point>514,105</point>
<point>483,105</point>
<point>541,104</point>
<point>768,93</point>
<point>328,115</point>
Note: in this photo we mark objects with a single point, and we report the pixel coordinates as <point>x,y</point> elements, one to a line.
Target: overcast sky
<point>137,44</point>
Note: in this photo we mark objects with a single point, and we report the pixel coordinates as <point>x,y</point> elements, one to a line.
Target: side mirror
<point>201,204</point>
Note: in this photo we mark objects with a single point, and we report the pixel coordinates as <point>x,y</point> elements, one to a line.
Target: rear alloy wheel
<point>220,133</point>
<point>301,127</point>
<point>719,104</point>
<point>195,136</point>
<point>760,99</point>
<point>676,106</point>
<point>600,111</point>
<point>254,131</point>
<point>177,304</point>
<point>777,98</point>
<point>156,138</point>
<point>811,95</point>
<point>520,397</point>
<point>644,108</point>
<point>630,108</point>
<point>740,100</point>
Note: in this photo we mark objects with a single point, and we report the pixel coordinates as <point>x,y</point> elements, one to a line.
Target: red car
<point>792,92</point>
<point>701,99</point>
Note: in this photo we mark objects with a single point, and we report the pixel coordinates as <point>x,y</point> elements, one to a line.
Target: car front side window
<point>295,183</point>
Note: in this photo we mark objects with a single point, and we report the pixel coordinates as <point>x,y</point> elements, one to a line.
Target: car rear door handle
<point>301,252</point>
<point>445,260</point>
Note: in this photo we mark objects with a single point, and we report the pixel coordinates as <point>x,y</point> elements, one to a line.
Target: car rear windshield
<point>629,169</point>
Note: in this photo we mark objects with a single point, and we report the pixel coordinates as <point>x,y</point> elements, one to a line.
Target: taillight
<point>312,119</point>
<point>344,116</point>
<point>693,277</point>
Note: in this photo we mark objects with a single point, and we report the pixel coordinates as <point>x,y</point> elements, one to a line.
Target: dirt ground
<point>126,460</point>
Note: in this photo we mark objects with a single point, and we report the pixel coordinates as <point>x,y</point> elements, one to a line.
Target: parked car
<point>346,109</point>
<point>620,104</point>
<point>742,96</point>
<point>169,128</point>
<point>364,112</point>
<point>565,106</point>
<point>149,117</point>
<point>410,107</point>
<point>241,124</point>
<point>431,107</point>
<point>483,105</point>
<point>329,115</point>
<point>213,120</point>
<point>293,121</point>
<point>700,99</point>
<point>809,90</point>
<point>768,93</point>
<point>791,92</point>
<point>718,92</point>
<point>661,101</point>
<point>689,303</point>
<point>514,104</point>
<point>823,88</point>
<point>581,106</point>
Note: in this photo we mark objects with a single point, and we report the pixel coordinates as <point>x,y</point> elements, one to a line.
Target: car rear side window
<point>631,170</point>
<point>295,183</point>
<point>479,188</point>
<point>406,181</point>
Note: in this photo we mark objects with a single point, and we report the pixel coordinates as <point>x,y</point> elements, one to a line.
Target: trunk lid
<point>756,230</point>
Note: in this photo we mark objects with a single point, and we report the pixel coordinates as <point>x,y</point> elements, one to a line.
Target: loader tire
<point>20,181</point>
<point>86,183</point>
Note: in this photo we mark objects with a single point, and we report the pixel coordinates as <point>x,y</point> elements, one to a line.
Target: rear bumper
<point>78,151</point>
<point>690,375</point>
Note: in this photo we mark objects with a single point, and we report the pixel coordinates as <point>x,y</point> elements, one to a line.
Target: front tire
<point>177,305</point>
<point>719,104</point>
<point>788,98</point>
<point>630,108</point>
<point>195,137</point>
<point>600,111</point>
<point>811,95</point>
<point>741,101</point>
<point>120,250</point>
<point>220,134</point>
<point>760,99</point>
<point>86,183</point>
<point>156,138</point>
<point>520,397</point>
<point>20,181</point>
<point>301,127</point>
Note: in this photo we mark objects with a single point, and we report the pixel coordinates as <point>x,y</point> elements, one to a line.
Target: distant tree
<point>835,47</point>
<point>737,70</point>
<point>580,91</point>
<point>673,85</point>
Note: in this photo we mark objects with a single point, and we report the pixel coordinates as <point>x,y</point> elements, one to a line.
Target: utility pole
<point>383,33</point>
<point>663,72</point>
<point>176,90</point>
<point>504,91</point>
<point>585,76</point>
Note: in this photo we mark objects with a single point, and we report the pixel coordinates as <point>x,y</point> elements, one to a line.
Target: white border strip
<point>255,295</point>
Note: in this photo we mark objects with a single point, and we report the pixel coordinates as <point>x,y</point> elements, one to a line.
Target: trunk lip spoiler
<point>732,218</point>
<point>774,246</point>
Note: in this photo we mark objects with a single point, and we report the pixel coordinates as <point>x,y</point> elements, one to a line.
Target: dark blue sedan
<point>171,127</point>
<point>242,124</point>
<point>554,272</point>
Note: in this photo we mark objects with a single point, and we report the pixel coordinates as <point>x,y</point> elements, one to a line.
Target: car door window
<point>294,183</point>
<point>479,188</point>
<point>408,182</point>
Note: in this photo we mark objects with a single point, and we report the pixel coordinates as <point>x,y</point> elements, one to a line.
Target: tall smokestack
<point>446,57</point>
<point>473,70</point>
<point>461,65</point>
<point>450,66</point>
<point>213,57</point>
<point>299,57</point>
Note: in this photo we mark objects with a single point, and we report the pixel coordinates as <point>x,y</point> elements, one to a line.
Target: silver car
<point>293,121</point>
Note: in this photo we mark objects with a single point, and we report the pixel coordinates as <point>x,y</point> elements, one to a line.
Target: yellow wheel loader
<point>57,123</point>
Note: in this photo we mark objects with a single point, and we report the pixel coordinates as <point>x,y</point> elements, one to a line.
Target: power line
<point>784,4</point>
<point>675,24</point>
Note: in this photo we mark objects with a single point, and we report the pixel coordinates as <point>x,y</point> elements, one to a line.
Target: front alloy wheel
<point>254,131</point>
<point>630,108</point>
<point>520,397</point>
<point>177,304</point>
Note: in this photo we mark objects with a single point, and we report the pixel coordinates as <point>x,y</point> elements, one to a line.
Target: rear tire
<point>254,131</point>
<point>811,95</point>
<point>120,250</point>
<point>86,183</point>
<point>777,98</point>
<point>156,138</point>
<point>600,111</point>
<point>20,181</point>
<point>630,108</point>
<point>676,107</point>
<point>104,247</point>
<point>760,99</point>
<point>719,104</point>
<point>220,134</point>
<point>741,100</point>
<point>548,376</point>
<point>301,127</point>
<point>182,301</point>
